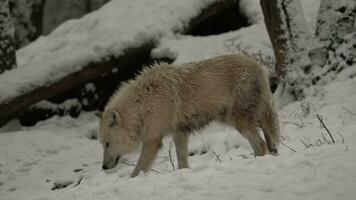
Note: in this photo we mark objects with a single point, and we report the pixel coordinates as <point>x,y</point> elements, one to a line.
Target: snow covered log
<point>96,47</point>
<point>73,82</point>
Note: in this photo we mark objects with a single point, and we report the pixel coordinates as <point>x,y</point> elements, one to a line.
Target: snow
<point>116,26</point>
<point>252,10</point>
<point>310,8</point>
<point>66,106</point>
<point>61,150</point>
<point>252,40</point>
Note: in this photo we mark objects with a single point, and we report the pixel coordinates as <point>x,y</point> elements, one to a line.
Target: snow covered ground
<point>38,162</point>
<point>58,151</point>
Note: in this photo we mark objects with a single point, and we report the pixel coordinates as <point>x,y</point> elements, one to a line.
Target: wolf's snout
<point>110,163</point>
<point>108,166</point>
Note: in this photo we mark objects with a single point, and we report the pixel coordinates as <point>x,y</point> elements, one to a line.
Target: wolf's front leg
<point>148,153</point>
<point>181,142</point>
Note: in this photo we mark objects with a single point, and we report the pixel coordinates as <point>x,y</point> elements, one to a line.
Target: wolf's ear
<point>113,117</point>
<point>98,114</point>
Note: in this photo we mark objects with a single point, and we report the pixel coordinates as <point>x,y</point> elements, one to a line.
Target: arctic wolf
<point>176,100</point>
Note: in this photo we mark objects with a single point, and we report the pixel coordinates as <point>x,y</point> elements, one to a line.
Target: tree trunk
<point>26,17</point>
<point>291,42</point>
<point>58,11</point>
<point>7,48</point>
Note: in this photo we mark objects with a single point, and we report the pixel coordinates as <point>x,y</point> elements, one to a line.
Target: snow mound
<point>252,40</point>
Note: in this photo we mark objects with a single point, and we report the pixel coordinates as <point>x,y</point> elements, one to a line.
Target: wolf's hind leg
<point>181,143</point>
<point>250,132</point>
<point>148,153</point>
<point>271,130</point>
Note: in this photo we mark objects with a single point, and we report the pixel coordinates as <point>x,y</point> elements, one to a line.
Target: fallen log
<point>113,68</point>
<point>132,57</point>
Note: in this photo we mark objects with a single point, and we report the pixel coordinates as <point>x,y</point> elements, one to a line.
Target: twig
<point>342,137</point>
<point>305,138</point>
<point>352,114</point>
<point>324,126</point>
<point>131,164</point>
<point>217,156</point>
<point>127,163</point>
<point>287,146</point>
<point>318,143</point>
<point>327,141</point>
<point>305,108</point>
<point>305,144</point>
<point>294,123</point>
<point>35,161</point>
<point>78,181</point>
<point>170,157</point>
<point>301,119</point>
<point>243,156</point>
<point>349,111</point>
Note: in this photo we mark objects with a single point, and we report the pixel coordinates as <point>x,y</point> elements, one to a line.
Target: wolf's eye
<point>107,144</point>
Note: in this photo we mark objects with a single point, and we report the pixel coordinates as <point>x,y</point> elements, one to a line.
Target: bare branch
<point>293,123</point>
<point>318,143</point>
<point>327,141</point>
<point>34,161</point>
<point>131,164</point>
<point>287,146</point>
<point>217,156</point>
<point>349,111</point>
<point>320,118</point>
<point>78,181</point>
<point>305,144</point>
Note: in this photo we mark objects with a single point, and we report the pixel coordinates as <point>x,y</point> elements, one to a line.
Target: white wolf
<point>167,99</point>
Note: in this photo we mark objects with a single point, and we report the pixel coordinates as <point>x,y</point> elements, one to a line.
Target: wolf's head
<point>115,136</point>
